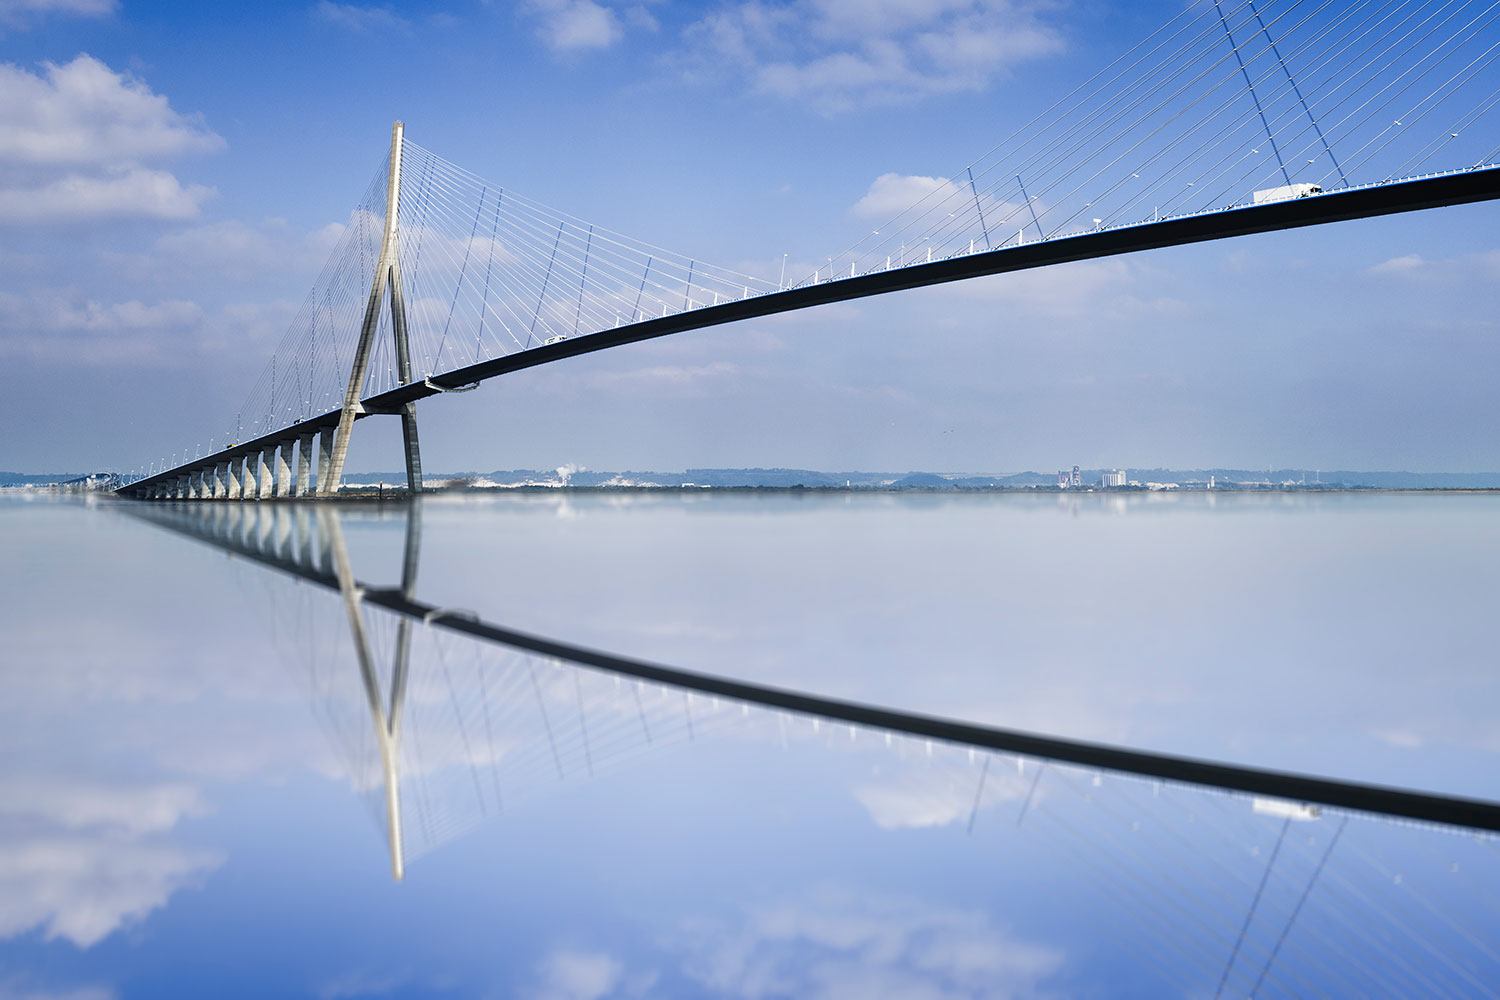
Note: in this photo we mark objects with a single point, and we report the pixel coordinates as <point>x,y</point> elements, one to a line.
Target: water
<point>210,776</point>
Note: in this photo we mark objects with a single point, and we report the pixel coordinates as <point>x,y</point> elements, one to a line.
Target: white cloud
<point>135,193</point>
<point>578,975</point>
<point>1404,264</point>
<point>61,325</point>
<point>57,313</point>
<point>834,943</point>
<point>356,17</point>
<point>575,974</point>
<point>837,55</point>
<point>844,18</point>
<point>1466,268</point>
<point>240,251</point>
<point>80,858</point>
<point>75,140</point>
<point>892,194</point>
<point>576,25</point>
<point>76,804</point>
<point>916,798</point>
<point>939,201</point>
<point>83,113</point>
<point>82,888</point>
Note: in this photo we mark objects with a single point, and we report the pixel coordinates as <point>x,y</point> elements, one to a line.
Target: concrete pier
<point>265,473</point>
<point>302,483</point>
<point>268,463</point>
<point>325,460</point>
<point>254,476</point>
<point>283,467</point>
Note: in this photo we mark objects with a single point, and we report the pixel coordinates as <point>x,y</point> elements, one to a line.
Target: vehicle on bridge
<point>1285,193</point>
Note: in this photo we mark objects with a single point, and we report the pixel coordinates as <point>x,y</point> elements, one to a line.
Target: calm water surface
<point>210,772</point>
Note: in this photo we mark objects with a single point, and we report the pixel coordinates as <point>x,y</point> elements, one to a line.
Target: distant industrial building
<point>1069,480</point>
<point>1113,477</point>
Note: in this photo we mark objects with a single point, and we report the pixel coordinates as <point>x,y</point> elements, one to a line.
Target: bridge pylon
<point>387,275</point>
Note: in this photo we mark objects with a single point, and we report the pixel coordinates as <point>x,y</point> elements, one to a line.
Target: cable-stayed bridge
<point>1235,117</point>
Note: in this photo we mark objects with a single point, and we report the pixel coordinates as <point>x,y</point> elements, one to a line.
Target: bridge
<point>1232,118</point>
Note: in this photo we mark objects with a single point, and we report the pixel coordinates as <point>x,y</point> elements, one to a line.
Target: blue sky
<point>172,175</point>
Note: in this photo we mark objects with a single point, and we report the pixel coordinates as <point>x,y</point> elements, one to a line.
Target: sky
<point>172,176</point>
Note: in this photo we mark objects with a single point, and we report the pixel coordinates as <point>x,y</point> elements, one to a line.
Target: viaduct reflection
<point>307,543</point>
<point>454,718</point>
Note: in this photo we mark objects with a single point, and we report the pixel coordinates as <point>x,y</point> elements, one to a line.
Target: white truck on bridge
<point>1285,193</point>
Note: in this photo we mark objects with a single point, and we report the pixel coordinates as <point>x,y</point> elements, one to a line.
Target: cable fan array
<point>309,368</point>
<point>490,272</point>
<point>1224,99</point>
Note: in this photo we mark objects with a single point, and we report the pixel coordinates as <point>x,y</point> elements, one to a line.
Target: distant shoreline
<point>376,492</point>
<point>793,481</point>
<point>364,490</point>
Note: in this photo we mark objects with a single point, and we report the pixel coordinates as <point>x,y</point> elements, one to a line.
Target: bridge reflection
<point>1260,881</point>
<point>308,544</point>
